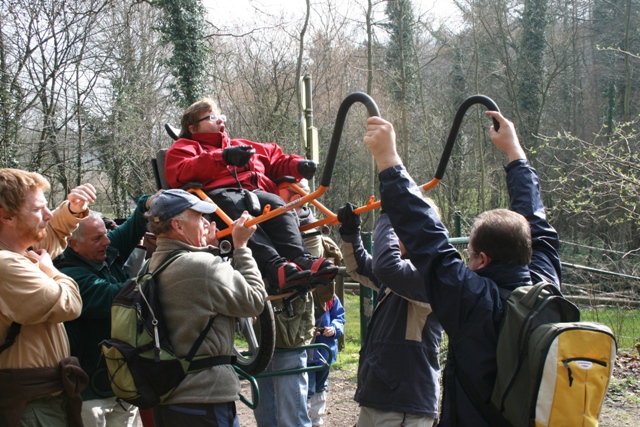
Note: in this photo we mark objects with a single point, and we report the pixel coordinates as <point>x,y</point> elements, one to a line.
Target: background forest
<point>86,86</point>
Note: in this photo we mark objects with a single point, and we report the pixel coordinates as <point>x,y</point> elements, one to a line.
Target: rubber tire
<point>256,359</point>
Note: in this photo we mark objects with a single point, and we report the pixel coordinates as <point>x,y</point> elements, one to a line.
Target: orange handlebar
<point>268,213</point>
<point>372,204</point>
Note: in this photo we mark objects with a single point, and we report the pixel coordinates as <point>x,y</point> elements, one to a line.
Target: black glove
<point>307,168</point>
<point>349,220</point>
<point>238,155</point>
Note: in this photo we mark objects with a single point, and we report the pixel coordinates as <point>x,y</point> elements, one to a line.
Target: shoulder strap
<point>199,340</point>
<point>144,271</point>
<point>14,330</point>
<point>200,363</point>
<point>165,263</point>
<point>207,362</point>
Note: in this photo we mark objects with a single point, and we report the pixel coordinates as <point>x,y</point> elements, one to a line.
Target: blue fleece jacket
<point>398,369</point>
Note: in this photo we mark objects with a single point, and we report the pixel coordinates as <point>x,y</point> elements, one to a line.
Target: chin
<point>40,235</point>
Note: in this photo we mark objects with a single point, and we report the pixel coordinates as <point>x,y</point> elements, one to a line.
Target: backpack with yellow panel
<point>553,369</point>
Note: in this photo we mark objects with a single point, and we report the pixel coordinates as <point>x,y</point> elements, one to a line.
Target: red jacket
<point>200,160</point>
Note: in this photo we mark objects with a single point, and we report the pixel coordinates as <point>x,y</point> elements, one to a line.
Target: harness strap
<point>208,362</point>
<point>12,334</point>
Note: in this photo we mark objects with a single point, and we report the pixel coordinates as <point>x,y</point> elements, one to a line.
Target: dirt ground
<point>341,409</point>
<point>621,407</point>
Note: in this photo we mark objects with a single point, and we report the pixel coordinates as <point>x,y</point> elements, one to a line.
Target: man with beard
<point>40,381</point>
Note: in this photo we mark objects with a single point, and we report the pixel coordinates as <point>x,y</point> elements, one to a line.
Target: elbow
<point>384,271</point>
<point>257,307</point>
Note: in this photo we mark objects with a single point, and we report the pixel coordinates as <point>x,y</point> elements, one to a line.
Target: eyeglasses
<point>468,253</point>
<point>214,118</point>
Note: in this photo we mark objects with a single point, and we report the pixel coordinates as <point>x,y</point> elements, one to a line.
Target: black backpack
<point>143,368</point>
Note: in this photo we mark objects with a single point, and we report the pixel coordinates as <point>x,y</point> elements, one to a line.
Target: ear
<point>73,244</point>
<point>176,225</point>
<point>6,219</point>
<point>485,260</point>
<point>193,128</point>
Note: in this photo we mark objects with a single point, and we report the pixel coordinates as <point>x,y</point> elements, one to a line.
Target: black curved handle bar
<point>457,121</point>
<point>372,109</point>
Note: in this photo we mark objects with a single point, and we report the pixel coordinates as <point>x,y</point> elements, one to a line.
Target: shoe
<point>284,275</point>
<point>322,270</point>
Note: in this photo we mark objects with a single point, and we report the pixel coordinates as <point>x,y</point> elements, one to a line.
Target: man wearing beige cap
<point>194,288</point>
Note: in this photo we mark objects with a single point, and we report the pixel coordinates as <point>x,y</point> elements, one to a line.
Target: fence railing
<point>602,294</point>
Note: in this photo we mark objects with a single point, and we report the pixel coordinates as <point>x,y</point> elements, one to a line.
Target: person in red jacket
<point>241,175</point>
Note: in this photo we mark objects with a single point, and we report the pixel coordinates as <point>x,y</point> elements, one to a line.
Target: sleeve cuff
<point>391,171</point>
<point>350,238</point>
<point>79,215</point>
<point>516,163</point>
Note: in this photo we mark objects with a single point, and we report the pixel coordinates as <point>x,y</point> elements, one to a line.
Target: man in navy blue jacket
<point>507,249</point>
<point>398,370</point>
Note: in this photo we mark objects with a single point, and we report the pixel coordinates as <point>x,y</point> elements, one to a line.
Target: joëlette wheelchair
<point>254,357</point>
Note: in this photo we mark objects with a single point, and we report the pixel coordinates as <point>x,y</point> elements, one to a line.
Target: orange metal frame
<point>330,217</point>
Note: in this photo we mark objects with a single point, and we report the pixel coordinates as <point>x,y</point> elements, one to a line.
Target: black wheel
<point>255,341</point>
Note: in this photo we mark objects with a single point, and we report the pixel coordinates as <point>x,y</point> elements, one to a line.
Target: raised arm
<point>391,268</point>
<point>523,185</point>
<point>356,259</point>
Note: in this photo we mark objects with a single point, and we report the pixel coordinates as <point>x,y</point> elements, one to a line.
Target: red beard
<point>31,235</point>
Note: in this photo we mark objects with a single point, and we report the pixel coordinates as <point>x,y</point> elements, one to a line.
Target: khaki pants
<point>108,413</point>
<point>46,411</point>
<point>370,417</point>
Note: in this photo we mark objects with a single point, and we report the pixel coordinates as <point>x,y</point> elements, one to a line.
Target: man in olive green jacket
<point>194,288</point>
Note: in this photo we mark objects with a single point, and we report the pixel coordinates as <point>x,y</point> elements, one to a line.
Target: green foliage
<point>347,361</point>
<point>531,60</point>
<point>625,324</point>
<point>183,25</point>
<point>599,181</point>
<point>623,387</point>
<point>400,51</point>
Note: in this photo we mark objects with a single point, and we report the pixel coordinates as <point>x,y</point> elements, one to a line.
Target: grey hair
<point>78,234</point>
<point>162,227</point>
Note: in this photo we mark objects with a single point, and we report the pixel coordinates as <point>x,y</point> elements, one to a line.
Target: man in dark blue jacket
<point>398,370</point>
<point>507,249</point>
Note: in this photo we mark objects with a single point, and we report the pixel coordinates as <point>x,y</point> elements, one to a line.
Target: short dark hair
<point>504,235</point>
<point>192,115</point>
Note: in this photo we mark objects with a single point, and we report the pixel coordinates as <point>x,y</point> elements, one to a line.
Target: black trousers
<point>278,237</point>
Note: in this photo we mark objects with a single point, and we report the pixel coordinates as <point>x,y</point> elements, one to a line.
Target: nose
<point>47,215</point>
